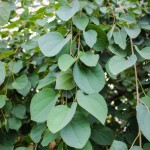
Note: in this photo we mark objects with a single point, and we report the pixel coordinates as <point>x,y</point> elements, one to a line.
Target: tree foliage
<point>75,74</point>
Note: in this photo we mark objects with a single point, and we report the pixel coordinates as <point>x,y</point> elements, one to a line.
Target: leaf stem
<point>71,38</point>
<point>137,90</point>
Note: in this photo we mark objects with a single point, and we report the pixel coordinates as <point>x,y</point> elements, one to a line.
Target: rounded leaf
<point>94,104</point>
<point>90,80</point>
<point>65,62</point>
<point>2,72</point>
<point>20,83</point>
<point>41,104</point>
<point>60,116</point>
<point>118,64</point>
<point>52,43</point>
<point>89,59</point>
<point>90,37</point>
<point>65,80</point>
<point>77,132</point>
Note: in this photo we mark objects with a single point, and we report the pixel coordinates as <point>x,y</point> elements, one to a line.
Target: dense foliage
<point>74,74</point>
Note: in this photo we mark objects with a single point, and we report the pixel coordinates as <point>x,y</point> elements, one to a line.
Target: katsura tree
<point>74,75</point>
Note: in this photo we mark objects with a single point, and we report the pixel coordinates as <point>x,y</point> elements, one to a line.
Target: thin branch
<point>134,141</point>
<point>79,41</point>
<point>71,38</point>
<point>137,89</point>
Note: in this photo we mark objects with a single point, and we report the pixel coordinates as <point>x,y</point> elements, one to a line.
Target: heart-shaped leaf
<point>94,104</point>
<point>65,62</point>
<point>145,52</point>
<point>120,38</point>
<point>81,21</point>
<point>89,59</point>
<point>42,103</point>
<point>41,22</point>
<point>20,83</point>
<point>143,118</point>
<point>65,80</point>
<point>56,122</point>
<point>133,32</point>
<point>122,64</point>
<point>36,132</point>
<point>52,43</point>
<point>90,80</point>
<point>67,12</point>
<point>77,132</point>
<point>90,37</point>
<point>15,67</point>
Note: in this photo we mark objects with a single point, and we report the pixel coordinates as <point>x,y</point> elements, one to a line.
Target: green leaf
<point>89,59</point>
<point>120,38</point>
<point>19,111</point>
<point>77,132</point>
<point>90,80</point>
<point>43,68</point>
<point>90,37</point>
<point>102,135</point>
<point>49,79</point>
<point>145,52</point>
<point>23,148</point>
<point>3,99</point>
<point>121,65</point>
<point>143,118</point>
<point>94,104</point>
<point>136,148</point>
<point>65,80</point>
<point>15,67</point>
<point>29,44</point>
<point>145,26</point>
<point>129,19</point>
<point>108,71</point>
<point>36,132</point>
<point>34,79</point>
<point>60,146</point>
<point>110,33</point>
<point>65,62</point>
<point>48,137</point>
<point>20,83</point>
<point>14,123</point>
<point>56,122</point>
<point>5,10</point>
<point>146,101</point>
<point>133,32</point>
<point>118,145</point>
<point>95,20</point>
<point>2,72</point>
<point>41,104</point>
<point>25,90</point>
<point>6,147</point>
<point>146,146</point>
<point>102,41</point>
<point>41,22</point>
<point>117,50</point>
<point>99,2</point>
<point>53,40</point>
<point>6,54</point>
<point>67,12</point>
<point>81,21</point>
<point>88,146</point>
